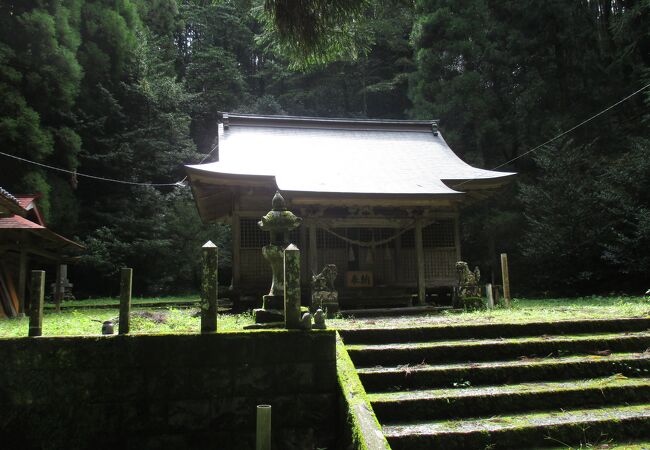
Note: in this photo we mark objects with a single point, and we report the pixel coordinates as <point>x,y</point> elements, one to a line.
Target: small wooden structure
<point>379,198</point>
<point>24,240</point>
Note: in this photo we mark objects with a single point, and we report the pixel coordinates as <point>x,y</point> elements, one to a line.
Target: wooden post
<point>313,256</point>
<point>58,288</point>
<point>419,257</point>
<point>397,260</point>
<point>36,304</point>
<point>126,280</point>
<point>292,287</point>
<point>236,250</point>
<point>305,276</point>
<point>263,431</point>
<point>490,295</point>
<point>209,285</point>
<point>457,237</point>
<point>506,279</point>
<point>22,282</point>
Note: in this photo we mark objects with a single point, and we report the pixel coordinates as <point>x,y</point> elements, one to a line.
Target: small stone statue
<point>319,320</point>
<point>108,327</point>
<point>305,322</point>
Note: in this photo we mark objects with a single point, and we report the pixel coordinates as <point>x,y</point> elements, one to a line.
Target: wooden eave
<point>214,194</point>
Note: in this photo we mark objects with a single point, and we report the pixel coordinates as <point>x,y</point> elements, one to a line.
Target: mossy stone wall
<point>168,391</point>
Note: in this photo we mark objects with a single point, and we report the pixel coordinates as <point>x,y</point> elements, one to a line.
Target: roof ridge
<point>326,122</point>
<point>9,196</point>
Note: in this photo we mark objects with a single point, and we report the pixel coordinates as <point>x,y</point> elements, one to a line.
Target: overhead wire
<point>98,178</point>
<point>182,182</point>
<point>564,133</point>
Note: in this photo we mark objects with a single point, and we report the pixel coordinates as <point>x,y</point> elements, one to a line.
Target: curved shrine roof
<point>341,156</point>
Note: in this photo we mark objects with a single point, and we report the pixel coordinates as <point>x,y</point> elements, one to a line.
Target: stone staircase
<point>561,384</point>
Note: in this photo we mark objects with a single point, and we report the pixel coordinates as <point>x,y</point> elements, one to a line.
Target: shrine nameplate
<point>358,279</point>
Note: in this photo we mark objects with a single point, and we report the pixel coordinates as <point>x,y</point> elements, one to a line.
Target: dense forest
<point>130,89</point>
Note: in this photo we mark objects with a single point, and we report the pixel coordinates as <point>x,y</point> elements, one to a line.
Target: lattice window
<point>439,264</point>
<point>439,234</point>
<point>252,236</point>
<point>328,240</point>
<point>408,239</point>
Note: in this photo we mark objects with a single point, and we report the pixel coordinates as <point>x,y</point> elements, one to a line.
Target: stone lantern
<point>279,222</point>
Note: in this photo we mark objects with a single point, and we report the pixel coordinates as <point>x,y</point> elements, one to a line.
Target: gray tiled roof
<point>4,193</point>
<point>370,158</point>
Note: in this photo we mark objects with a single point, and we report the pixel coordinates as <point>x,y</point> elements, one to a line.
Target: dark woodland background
<point>130,89</point>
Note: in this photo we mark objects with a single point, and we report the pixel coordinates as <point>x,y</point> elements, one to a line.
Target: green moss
<point>365,431</point>
<point>521,311</point>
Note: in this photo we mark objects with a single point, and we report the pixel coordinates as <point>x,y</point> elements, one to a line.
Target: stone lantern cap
<point>279,219</point>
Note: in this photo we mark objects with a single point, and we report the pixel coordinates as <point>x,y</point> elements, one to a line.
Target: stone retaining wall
<point>168,391</point>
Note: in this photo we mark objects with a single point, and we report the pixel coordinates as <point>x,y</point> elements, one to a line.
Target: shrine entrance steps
<point>570,383</point>
<point>394,312</point>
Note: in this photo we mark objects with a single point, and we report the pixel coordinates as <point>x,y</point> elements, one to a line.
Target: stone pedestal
<point>328,301</point>
<point>278,222</point>
<point>272,309</point>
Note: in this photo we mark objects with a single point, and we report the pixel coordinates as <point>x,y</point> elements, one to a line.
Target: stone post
<point>506,279</point>
<point>36,304</point>
<point>209,286</point>
<point>126,279</point>
<point>292,287</point>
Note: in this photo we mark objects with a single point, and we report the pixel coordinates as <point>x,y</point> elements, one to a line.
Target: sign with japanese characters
<point>358,279</point>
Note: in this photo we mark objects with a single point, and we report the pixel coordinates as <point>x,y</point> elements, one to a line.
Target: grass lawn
<point>74,322</point>
<point>109,301</point>
<point>82,321</point>
<point>522,310</point>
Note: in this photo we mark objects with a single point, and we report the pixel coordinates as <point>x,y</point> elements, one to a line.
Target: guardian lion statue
<point>324,281</point>
<point>467,280</point>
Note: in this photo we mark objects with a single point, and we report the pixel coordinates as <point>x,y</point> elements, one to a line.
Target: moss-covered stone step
<point>502,372</point>
<point>491,400</point>
<point>609,444</point>
<point>495,349</point>
<point>548,429</point>
<point>448,332</point>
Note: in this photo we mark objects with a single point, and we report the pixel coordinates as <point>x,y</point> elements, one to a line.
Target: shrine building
<point>380,199</point>
<point>26,243</point>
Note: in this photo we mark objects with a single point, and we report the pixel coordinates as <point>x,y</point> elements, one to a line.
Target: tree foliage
<point>506,76</point>
<point>130,90</point>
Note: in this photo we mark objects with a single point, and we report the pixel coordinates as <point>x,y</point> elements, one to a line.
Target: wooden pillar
<point>58,287</point>
<point>235,228</point>
<point>126,280</point>
<point>398,258</point>
<point>36,303</point>
<point>313,255</point>
<point>209,285</point>
<point>506,279</point>
<point>305,276</point>
<point>22,282</point>
<point>419,258</point>
<point>292,287</point>
<point>457,237</point>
